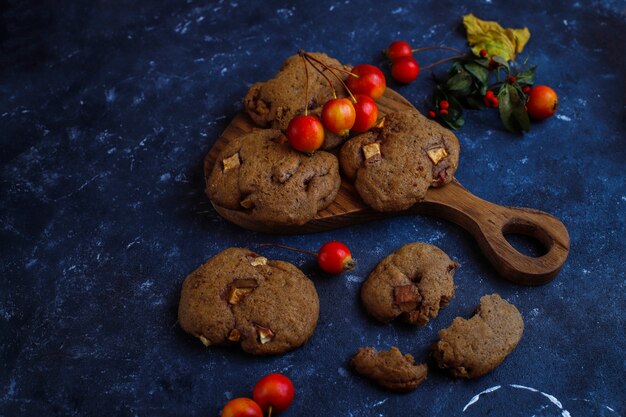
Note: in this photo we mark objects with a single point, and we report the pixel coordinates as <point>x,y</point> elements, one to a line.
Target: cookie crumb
<point>390,369</point>
<point>204,341</point>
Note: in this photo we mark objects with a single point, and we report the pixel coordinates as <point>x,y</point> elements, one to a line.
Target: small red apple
<point>366,113</point>
<point>368,80</point>
<point>338,116</point>
<point>305,133</point>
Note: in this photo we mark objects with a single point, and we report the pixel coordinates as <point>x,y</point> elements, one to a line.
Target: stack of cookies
<point>259,176</point>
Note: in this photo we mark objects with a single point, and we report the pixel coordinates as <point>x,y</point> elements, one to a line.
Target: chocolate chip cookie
<point>412,283</point>
<point>239,297</point>
<point>275,102</point>
<point>393,167</point>
<point>390,369</point>
<point>471,348</point>
<point>261,175</point>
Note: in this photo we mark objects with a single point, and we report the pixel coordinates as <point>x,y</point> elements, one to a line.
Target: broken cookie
<point>262,175</point>
<point>471,348</point>
<point>412,283</point>
<point>268,307</point>
<point>393,167</point>
<point>390,369</point>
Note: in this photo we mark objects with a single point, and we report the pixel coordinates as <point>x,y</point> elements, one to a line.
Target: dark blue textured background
<point>106,111</point>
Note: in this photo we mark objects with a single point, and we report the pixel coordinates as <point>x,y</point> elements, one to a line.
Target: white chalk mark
<point>477,396</point>
<point>563,117</point>
<point>134,242</point>
<point>86,183</point>
<point>110,95</point>
<point>354,278</point>
<point>551,398</point>
<point>379,403</point>
<point>286,368</point>
<point>11,391</point>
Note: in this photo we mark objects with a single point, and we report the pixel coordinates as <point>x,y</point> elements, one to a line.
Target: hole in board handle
<point>527,238</point>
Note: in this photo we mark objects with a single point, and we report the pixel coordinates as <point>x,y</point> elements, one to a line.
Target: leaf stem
<point>441,61</point>
<point>429,48</point>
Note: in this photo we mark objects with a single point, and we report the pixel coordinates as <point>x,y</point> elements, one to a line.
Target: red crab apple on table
<point>272,394</point>
<point>334,257</point>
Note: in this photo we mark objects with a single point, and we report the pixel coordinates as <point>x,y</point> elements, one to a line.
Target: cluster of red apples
<point>340,115</point>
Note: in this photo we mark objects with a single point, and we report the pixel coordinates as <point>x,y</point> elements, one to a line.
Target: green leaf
<point>483,62</point>
<point>501,61</point>
<point>480,73</point>
<point>453,123</point>
<point>527,77</point>
<point>512,111</point>
<point>475,102</point>
<point>459,84</point>
<point>455,104</point>
<point>455,67</point>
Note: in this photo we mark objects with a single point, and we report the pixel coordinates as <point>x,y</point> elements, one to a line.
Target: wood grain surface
<point>487,222</point>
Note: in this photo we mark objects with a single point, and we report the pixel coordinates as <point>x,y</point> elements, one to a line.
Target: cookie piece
<point>412,283</point>
<point>471,348</point>
<point>390,369</point>
<point>239,297</point>
<point>393,167</point>
<point>275,102</point>
<point>260,173</point>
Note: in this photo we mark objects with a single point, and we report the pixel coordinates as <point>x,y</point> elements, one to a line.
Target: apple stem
<point>306,87</point>
<point>278,245</point>
<point>429,48</point>
<point>328,67</point>
<point>345,71</point>
<point>330,83</point>
<point>269,411</point>
<point>347,89</point>
<point>441,61</point>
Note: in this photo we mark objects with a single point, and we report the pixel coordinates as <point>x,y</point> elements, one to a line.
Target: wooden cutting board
<point>487,222</point>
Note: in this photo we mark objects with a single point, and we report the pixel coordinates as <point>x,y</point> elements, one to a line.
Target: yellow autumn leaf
<point>489,35</point>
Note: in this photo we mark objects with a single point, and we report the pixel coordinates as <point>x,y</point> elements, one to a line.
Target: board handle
<point>489,223</point>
